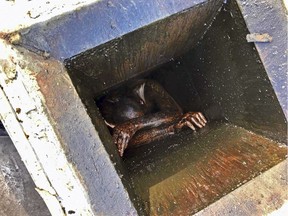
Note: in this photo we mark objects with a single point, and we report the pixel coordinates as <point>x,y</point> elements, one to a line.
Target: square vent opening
<point>222,77</point>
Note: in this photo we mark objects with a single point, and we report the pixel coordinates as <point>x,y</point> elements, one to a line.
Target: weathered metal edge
<point>35,135</point>
<point>72,33</point>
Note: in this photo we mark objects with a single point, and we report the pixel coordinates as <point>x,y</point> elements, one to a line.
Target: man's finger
<point>126,141</point>
<point>200,120</point>
<point>202,117</point>
<point>196,123</point>
<point>121,149</point>
<point>190,125</point>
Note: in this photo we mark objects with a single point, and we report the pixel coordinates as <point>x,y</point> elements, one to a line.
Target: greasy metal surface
<point>17,190</point>
<point>143,49</point>
<point>230,78</point>
<point>183,174</point>
<point>73,33</point>
<point>266,194</point>
<point>270,16</point>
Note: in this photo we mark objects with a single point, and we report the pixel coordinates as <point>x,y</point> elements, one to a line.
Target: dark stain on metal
<point>125,57</point>
<point>228,73</point>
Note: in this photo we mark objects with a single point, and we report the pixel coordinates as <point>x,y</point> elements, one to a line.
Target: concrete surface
<point>17,194</point>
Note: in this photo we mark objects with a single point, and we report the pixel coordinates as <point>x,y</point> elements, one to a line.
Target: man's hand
<point>122,134</point>
<point>191,119</point>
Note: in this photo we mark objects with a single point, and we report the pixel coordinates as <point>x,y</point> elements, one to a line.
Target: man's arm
<point>168,113</point>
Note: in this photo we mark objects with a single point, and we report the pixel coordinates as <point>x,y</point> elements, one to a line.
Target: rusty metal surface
<point>185,173</point>
<point>98,167</point>
<point>266,194</point>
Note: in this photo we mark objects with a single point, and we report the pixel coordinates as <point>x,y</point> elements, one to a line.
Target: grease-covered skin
<point>144,112</point>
